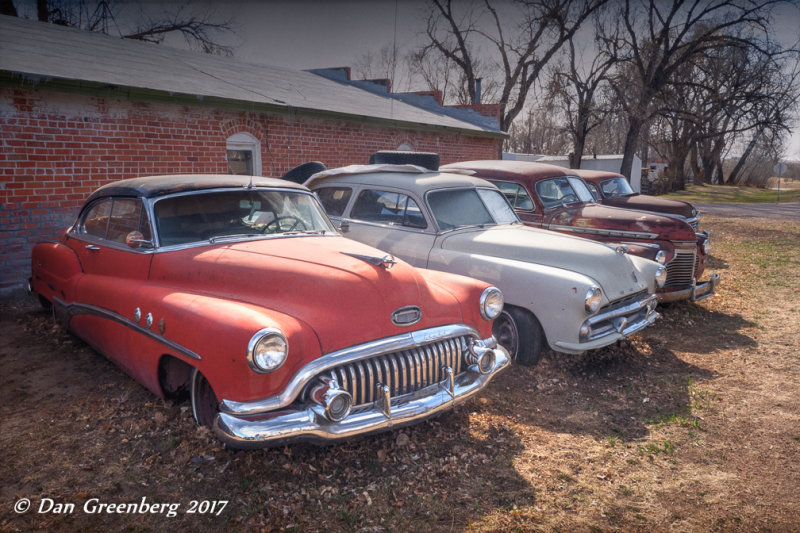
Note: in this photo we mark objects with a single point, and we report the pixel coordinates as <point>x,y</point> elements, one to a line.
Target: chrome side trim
<point>412,339</point>
<point>604,232</point>
<point>306,424</point>
<point>65,312</point>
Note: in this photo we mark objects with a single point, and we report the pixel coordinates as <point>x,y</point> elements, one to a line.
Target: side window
<point>593,189</point>
<point>385,207</point>
<point>334,199</point>
<point>113,219</point>
<point>126,216</point>
<point>95,221</point>
<point>549,192</point>
<point>516,195</point>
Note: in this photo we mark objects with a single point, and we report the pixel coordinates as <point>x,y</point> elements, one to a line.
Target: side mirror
<point>135,239</point>
<point>344,226</point>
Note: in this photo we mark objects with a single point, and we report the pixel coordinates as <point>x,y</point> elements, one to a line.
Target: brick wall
<point>57,148</point>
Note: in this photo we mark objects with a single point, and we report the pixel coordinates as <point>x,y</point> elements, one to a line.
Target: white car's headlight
<point>661,277</point>
<point>594,297</point>
<point>267,350</point>
<point>491,303</point>
<point>661,257</point>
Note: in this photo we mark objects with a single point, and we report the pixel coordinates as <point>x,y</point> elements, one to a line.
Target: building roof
<point>40,52</point>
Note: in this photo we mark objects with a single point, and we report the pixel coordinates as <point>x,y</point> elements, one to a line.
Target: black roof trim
<point>152,186</point>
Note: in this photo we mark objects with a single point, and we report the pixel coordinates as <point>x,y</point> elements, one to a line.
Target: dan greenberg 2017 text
<point>95,506</point>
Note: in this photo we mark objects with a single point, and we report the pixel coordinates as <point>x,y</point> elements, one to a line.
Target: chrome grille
<point>680,271</point>
<point>693,223</point>
<point>403,372</point>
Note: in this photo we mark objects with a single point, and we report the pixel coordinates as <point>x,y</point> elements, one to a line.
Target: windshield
<point>559,191</point>
<point>453,208</point>
<point>214,215</point>
<point>616,187</point>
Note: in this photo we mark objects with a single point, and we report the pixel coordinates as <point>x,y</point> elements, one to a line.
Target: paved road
<point>767,210</point>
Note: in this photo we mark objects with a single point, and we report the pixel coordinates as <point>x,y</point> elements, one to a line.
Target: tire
<point>518,331</point>
<point>427,160</point>
<point>301,173</point>
<point>204,402</point>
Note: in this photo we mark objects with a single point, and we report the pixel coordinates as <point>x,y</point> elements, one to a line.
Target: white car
<point>563,291</point>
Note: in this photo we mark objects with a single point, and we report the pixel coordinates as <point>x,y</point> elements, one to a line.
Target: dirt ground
<point>692,425</point>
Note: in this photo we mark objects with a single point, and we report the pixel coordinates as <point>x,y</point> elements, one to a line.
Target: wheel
<point>301,173</point>
<point>520,333</point>
<point>427,160</point>
<point>278,224</point>
<point>204,402</point>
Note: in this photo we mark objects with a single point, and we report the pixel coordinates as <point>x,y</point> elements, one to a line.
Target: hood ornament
<point>387,261</point>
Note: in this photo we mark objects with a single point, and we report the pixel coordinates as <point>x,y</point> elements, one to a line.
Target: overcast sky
<point>304,34</point>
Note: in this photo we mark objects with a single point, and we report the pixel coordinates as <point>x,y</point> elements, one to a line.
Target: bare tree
<point>576,85</point>
<point>538,30</point>
<point>657,38</point>
<point>200,31</point>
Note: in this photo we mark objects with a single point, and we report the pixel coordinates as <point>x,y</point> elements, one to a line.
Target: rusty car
<point>238,292</point>
<point>555,198</point>
<point>612,188</point>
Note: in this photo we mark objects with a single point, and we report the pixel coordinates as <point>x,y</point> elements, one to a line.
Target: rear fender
<point>55,269</point>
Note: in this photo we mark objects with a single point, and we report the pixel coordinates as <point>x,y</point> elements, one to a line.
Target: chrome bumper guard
<point>617,323</point>
<point>309,423</point>
<point>697,292</point>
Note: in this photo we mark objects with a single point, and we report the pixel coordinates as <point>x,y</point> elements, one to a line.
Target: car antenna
<point>250,185</point>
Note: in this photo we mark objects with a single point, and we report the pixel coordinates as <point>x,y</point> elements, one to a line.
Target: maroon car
<point>611,188</point>
<point>555,198</point>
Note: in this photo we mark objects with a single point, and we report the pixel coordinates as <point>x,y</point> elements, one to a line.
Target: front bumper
<point>698,291</point>
<point>616,323</point>
<point>308,423</point>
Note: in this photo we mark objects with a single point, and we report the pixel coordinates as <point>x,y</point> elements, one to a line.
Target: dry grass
<point>694,425</point>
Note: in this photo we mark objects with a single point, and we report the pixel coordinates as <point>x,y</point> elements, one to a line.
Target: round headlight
<point>267,350</point>
<point>661,257</point>
<point>594,297</point>
<point>706,246</point>
<point>661,277</point>
<point>491,303</point>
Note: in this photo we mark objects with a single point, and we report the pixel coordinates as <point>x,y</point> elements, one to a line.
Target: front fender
<point>554,295</point>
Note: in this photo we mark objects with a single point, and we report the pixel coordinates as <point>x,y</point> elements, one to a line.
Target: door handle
<point>92,247</point>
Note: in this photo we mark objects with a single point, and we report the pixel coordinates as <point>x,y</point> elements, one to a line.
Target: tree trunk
<point>734,177</point>
<point>631,145</point>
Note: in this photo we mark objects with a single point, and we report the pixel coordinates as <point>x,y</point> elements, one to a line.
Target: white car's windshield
<point>616,187</point>
<point>214,215</point>
<point>453,208</point>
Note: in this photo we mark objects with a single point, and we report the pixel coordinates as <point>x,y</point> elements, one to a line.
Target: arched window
<point>244,154</point>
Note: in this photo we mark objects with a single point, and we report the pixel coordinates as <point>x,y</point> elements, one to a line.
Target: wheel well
<point>173,377</point>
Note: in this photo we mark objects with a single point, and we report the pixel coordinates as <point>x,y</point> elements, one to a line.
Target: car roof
<point>505,168</point>
<point>591,174</point>
<point>417,181</point>
<point>151,186</point>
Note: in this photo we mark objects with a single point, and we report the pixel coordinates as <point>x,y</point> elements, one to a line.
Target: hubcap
<point>505,331</point>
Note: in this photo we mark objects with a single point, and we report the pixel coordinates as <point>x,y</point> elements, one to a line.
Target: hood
<point>615,273</point>
<point>626,220</point>
<point>345,300</point>
<point>644,202</point>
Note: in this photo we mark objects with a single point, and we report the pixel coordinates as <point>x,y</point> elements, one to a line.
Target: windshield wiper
<point>234,236</point>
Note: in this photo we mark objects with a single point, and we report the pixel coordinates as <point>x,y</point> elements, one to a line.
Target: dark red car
<point>555,198</point>
<point>611,188</point>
